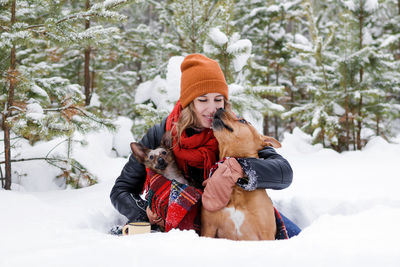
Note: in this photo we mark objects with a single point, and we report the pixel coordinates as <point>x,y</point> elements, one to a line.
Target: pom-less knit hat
<point>200,76</point>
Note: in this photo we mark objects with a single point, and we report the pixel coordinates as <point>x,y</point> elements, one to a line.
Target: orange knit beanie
<point>200,76</point>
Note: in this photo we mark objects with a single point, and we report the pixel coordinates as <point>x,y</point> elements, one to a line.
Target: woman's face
<point>205,107</point>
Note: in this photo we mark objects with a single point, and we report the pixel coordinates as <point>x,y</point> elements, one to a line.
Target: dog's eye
<point>151,157</point>
<point>164,152</point>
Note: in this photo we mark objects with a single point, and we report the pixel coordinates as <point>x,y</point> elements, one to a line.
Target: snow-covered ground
<point>347,204</point>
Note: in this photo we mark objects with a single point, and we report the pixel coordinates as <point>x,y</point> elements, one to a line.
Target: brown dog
<point>160,160</point>
<point>249,215</point>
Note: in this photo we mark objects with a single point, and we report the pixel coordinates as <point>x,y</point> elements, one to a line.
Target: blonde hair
<point>188,119</point>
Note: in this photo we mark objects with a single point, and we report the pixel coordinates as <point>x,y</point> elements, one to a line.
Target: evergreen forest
<point>330,68</point>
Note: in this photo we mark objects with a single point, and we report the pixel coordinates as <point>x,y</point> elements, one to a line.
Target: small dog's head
<point>156,159</point>
<point>237,137</point>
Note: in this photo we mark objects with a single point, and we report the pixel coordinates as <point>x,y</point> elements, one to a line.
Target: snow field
<point>347,204</point>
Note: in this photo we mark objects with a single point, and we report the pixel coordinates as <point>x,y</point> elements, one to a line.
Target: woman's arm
<point>129,185</point>
<point>270,170</point>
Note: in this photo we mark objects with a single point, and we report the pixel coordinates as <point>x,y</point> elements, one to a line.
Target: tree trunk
<point>92,84</point>
<point>277,72</point>
<point>398,12</point>
<point>276,127</point>
<point>291,105</point>
<point>266,125</point>
<point>1,177</point>
<point>87,80</point>
<point>359,124</point>
<point>354,134</point>
<point>359,120</point>
<point>225,66</point>
<point>346,106</point>
<point>192,37</point>
<point>266,117</point>
<point>226,59</point>
<point>7,111</point>
<point>378,132</point>
<point>267,54</point>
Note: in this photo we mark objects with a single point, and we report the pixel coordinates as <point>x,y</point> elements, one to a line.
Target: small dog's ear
<point>166,140</point>
<point>139,151</point>
<point>270,141</point>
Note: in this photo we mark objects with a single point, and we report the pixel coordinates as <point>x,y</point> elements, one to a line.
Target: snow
<point>174,78</point>
<point>218,37</point>
<point>302,48</point>
<point>239,48</point>
<point>295,62</point>
<point>301,39</point>
<point>123,136</point>
<point>240,61</point>
<point>347,204</point>
<point>368,5</point>
<point>95,100</point>
<point>39,91</point>
<point>349,4</point>
<point>34,111</point>
<point>367,38</point>
<point>242,51</point>
<point>338,110</point>
<point>371,5</point>
<point>163,92</point>
<point>150,90</point>
<point>235,89</point>
<point>390,40</point>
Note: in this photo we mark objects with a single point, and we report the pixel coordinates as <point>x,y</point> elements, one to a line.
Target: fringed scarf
<point>177,204</point>
<point>199,150</point>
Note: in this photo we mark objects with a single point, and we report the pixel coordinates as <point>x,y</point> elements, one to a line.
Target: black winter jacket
<point>271,170</point>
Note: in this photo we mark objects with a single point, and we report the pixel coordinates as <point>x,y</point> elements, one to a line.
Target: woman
<point>203,91</point>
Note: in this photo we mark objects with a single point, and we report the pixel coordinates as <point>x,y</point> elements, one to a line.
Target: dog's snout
<point>160,161</point>
<point>218,121</point>
<point>218,113</point>
<point>161,164</point>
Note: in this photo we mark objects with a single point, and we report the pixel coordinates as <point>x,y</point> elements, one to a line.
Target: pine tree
<point>39,103</point>
<point>350,80</point>
<point>191,21</point>
<point>138,54</point>
<point>319,115</point>
<point>386,36</point>
<point>375,74</point>
<point>233,54</point>
<point>269,26</point>
<point>388,21</point>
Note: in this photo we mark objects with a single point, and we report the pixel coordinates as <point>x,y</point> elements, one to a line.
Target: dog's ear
<point>166,140</point>
<point>270,141</point>
<point>139,151</point>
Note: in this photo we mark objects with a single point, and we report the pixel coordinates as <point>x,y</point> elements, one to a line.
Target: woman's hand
<point>218,188</point>
<point>154,218</point>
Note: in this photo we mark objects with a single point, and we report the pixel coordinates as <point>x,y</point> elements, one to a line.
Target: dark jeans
<point>291,228</point>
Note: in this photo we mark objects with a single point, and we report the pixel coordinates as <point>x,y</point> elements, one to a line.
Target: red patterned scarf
<point>177,204</point>
<point>199,150</point>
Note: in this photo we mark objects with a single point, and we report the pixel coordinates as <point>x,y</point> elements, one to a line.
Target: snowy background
<point>348,206</point>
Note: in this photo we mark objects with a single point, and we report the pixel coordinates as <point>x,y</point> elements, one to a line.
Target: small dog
<point>160,160</point>
<point>249,215</point>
